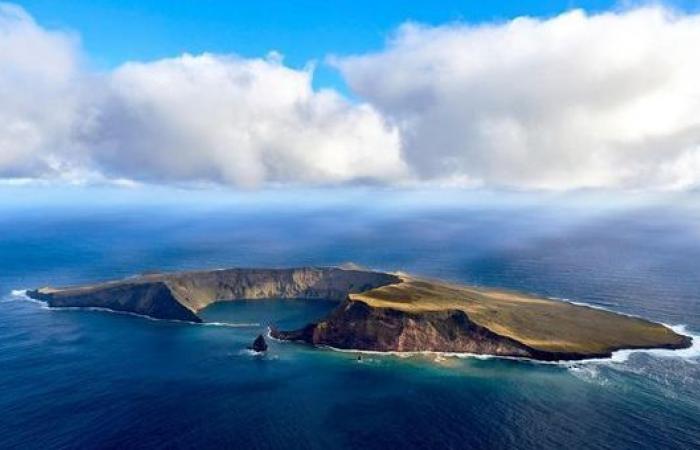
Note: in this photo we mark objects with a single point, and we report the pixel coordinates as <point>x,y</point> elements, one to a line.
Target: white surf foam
<point>21,294</point>
<point>431,354</point>
<point>258,355</point>
<point>143,316</point>
<point>589,373</point>
<point>691,353</point>
<point>112,311</point>
<point>231,325</point>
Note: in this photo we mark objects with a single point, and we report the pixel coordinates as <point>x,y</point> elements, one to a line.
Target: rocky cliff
<point>354,325</point>
<point>149,298</point>
<point>197,290</point>
<point>180,295</point>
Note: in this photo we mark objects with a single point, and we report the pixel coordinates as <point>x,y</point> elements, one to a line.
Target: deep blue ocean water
<point>90,379</point>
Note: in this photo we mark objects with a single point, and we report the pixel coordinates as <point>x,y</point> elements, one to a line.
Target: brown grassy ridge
<point>540,323</point>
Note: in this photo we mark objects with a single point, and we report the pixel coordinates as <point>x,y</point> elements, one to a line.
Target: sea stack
<point>259,344</point>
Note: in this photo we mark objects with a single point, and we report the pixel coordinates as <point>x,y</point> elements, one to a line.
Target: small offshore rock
<point>259,344</point>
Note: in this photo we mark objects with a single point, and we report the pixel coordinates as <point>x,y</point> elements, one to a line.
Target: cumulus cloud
<point>200,119</point>
<point>574,101</point>
<point>608,100</point>
<point>38,98</point>
<point>237,121</point>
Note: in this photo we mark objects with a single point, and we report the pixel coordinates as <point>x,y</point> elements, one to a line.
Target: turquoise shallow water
<point>90,379</point>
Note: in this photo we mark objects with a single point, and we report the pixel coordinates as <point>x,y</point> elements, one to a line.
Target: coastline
<point>617,356</point>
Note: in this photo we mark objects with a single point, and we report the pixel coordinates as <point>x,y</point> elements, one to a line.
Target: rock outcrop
<point>259,344</point>
<point>355,325</point>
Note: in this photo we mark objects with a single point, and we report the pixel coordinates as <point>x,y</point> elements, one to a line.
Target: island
<point>386,312</point>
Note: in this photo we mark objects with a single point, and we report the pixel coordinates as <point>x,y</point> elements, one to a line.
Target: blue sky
<point>117,30</point>
<point>114,31</point>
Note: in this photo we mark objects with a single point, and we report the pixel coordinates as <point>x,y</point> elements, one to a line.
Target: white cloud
<point>201,119</point>
<point>609,100</point>
<point>38,109</point>
<point>237,121</point>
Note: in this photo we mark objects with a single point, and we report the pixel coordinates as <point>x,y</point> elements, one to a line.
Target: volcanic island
<point>386,312</point>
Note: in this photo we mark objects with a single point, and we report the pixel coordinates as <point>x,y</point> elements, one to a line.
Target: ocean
<point>93,379</point>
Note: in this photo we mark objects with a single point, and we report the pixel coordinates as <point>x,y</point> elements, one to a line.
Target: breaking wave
<point>691,353</point>
<point>21,294</point>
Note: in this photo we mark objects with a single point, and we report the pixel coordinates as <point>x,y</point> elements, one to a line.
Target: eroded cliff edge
<point>357,326</point>
<point>179,296</point>
<point>386,312</point>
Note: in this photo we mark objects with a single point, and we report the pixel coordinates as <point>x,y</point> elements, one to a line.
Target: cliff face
<point>153,299</point>
<point>180,295</point>
<point>199,289</point>
<point>355,325</point>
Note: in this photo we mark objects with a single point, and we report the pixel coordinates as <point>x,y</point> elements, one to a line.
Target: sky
<point>531,95</point>
<point>301,30</point>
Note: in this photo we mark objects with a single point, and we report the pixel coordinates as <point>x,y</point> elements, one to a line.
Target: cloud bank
<point>574,101</point>
<point>38,96</point>
<point>240,122</point>
<point>609,100</point>
<point>190,119</point>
